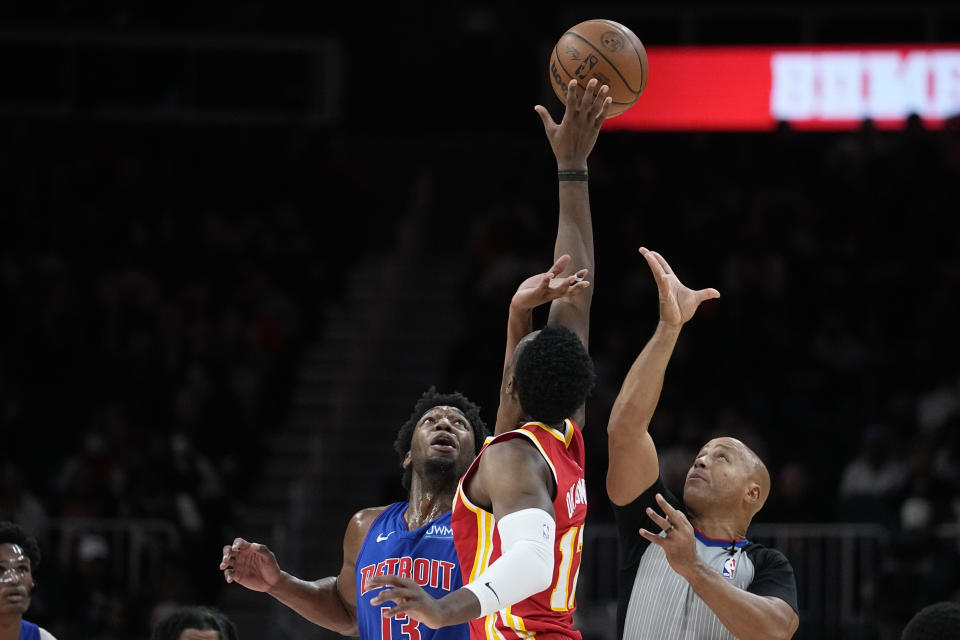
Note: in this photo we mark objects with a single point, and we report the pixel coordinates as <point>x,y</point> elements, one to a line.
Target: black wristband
<point>572,175</point>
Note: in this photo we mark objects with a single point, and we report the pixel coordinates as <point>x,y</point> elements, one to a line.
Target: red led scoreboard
<point>752,88</point>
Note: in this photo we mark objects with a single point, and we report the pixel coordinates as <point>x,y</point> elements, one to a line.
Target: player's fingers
<point>577,289</point>
<point>577,279</point>
<point>240,543</point>
<point>657,518</point>
<point>652,537</point>
<point>663,262</point>
<point>573,100</point>
<point>545,117</point>
<point>394,594</point>
<point>707,294</point>
<point>604,110</point>
<point>544,284</point>
<point>560,265</point>
<point>652,262</point>
<point>674,515</point>
<point>398,609</point>
<point>566,287</point>
<point>590,91</point>
<point>598,101</point>
<point>389,581</point>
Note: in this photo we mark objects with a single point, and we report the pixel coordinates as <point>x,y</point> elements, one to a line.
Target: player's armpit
<point>353,540</point>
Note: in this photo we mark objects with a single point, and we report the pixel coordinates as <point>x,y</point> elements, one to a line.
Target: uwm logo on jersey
<point>439,531</point>
<point>423,571</point>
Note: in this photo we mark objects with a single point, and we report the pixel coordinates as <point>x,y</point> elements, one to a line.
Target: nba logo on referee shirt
<point>729,567</point>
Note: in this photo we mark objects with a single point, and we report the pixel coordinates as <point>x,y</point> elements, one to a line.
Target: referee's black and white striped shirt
<point>656,603</point>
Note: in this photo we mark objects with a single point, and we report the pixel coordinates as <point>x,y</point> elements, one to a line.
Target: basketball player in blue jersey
<point>19,557</point>
<point>413,539</point>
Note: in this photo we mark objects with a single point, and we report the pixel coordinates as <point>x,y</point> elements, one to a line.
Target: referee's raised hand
<point>676,538</point>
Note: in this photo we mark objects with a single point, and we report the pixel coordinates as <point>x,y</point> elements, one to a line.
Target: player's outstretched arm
<point>633,464</point>
<point>533,292</point>
<point>538,290</point>
<point>572,140</point>
<point>328,602</point>
<point>514,478</point>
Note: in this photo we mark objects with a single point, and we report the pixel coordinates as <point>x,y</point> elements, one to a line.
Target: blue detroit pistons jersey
<point>29,631</point>
<point>426,555</point>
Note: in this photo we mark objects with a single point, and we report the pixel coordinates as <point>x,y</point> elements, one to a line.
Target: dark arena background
<point>238,240</point>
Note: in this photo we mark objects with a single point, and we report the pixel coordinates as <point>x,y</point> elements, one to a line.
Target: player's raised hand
<point>573,139</point>
<point>251,564</point>
<point>545,287</point>
<point>678,302</point>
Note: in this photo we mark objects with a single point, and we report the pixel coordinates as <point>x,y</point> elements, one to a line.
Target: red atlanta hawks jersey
<point>548,614</point>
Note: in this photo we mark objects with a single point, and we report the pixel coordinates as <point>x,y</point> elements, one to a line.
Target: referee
<point>687,570</point>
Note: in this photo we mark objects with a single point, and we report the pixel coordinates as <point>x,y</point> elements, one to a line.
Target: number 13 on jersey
<point>563,597</point>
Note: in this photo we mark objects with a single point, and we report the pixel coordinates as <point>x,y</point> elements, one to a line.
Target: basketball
<point>605,50</point>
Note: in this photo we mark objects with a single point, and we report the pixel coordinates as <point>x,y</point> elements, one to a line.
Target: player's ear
<point>510,388</point>
<point>406,460</point>
<point>753,494</point>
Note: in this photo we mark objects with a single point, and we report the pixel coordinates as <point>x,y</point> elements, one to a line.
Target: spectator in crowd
<point>937,621</point>
<point>872,480</point>
<point>19,557</point>
<point>195,623</point>
<point>19,504</point>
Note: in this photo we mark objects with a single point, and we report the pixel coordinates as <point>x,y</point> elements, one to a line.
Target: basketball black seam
<point>612,66</point>
<point>615,26</point>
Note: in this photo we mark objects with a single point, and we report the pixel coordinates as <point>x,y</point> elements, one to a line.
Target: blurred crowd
<point>158,287</point>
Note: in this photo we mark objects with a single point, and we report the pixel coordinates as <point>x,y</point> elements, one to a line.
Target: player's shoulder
<point>363,518</point>
<point>508,445</point>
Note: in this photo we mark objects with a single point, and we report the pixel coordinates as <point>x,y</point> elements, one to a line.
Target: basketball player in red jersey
<point>519,512</point>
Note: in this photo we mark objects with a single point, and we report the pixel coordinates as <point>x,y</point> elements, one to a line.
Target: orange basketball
<point>605,50</point>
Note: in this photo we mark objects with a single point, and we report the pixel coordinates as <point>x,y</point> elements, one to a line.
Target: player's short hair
<point>12,533</point>
<point>935,621</point>
<point>432,398</point>
<point>201,618</point>
<point>553,374</point>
